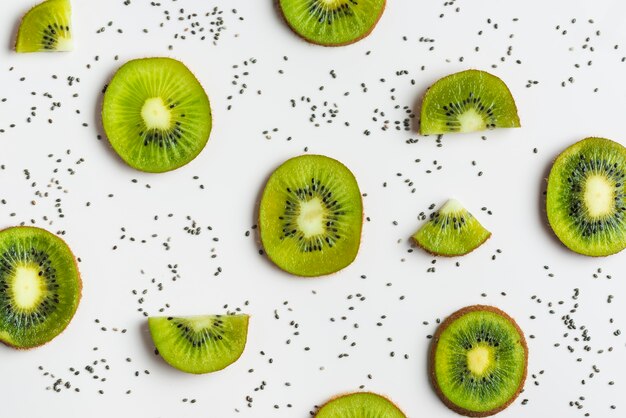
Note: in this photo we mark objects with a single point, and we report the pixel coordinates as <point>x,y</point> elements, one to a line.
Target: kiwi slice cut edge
<point>311,216</point>
<point>46,27</point>
<point>478,361</point>
<point>156,114</point>
<point>468,101</point>
<point>40,286</point>
<point>586,197</point>
<point>360,405</point>
<point>200,344</point>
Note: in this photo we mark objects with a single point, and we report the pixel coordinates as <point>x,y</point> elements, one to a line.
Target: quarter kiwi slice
<point>40,286</point>
<point>310,216</point>
<point>332,22</point>
<point>46,27</point>
<point>451,231</point>
<point>360,405</point>
<point>156,114</point>
<point>586,197</point>
<point>478,361</point>
<point>200,344</point>
<point>468,101</point>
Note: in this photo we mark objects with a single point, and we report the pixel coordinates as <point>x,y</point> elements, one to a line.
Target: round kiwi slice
<point>156,114</point>
<point>332,22</point>
<point>478,361</point>
<point>46,27</point>
<point>40,286</point>
<point>360,405</point>
<point>468,101</point>
<point>311,215</point>
<point>586,197</point>
<point>200,344</point>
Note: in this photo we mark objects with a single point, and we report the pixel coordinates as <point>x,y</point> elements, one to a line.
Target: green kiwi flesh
<point>40,286</point>
<point>311,215</point>
<point>478,361</point>
<point>156,114</point>
<point>586,197</point>
<point>468,101</point>
<point>332,22</point>
<point>451,231</point>
<point>360,405</point>
<point>200,344</point>
<point>46,27</point>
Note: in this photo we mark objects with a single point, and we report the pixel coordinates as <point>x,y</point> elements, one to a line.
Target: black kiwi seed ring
<point>431,360</point>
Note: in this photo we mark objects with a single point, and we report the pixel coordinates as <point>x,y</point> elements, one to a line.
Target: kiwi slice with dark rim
<point>332,22</point>
<point>586,197</point>
<point>156,114</point>
<point>200,344</point>
<point>311,215</point>
<point>40,286</point>
<point>360,405</point>
<point>468,101</point>
<point>46,27</point>
<point>478,361</point>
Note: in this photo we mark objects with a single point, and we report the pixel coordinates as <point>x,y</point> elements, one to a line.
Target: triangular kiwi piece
<point>451,231</point>
<point>360,405</point>
<point>46,27</point>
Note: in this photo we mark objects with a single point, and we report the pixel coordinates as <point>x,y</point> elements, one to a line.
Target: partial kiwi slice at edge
<point>360,405</point>
<point>46,27</point>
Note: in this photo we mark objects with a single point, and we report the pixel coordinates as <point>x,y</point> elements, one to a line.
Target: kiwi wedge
<point>360,405</point>
<point>40,286</point>
<point>451,231</point>
<point>478,361</point>
<point>332,22</point>
<point>46,27</point>
<point>586,197</point>
<point>311,215</point>
<point>200,344</point>
<point>156,114</point>
<point>468,101</point>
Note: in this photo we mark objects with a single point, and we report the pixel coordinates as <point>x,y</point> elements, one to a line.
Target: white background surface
<point>233,168</point>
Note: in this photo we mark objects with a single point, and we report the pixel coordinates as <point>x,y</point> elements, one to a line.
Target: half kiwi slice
<point>451,231</point>
<point>360,405</point>
<point>311,215</point>
<point>586,197</point>
<point>156,114</point>
<point>46,27</point>
<point>200,344</point>
<point>478,361</point>
<point>40,286</point>
<point>468,101</point>
<point>332,22</point>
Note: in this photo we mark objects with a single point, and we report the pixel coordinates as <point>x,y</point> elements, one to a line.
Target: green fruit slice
<point>468,101</point>
<point>451,231</point>
<point>310,216</point>
<point>40,286</point>
<point>46,27</point>
<point>478,361</point>
<point>586,197</point>
<point>156,114</point>
<point>360,405</point>
<point>332,22</point>
<point>200,344</point>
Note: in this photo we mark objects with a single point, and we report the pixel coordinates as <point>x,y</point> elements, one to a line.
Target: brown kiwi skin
<point>280,11</point>
<point>353,393</point>
<point>80,294</point>
<point>431,362</point>
<point>414,241</point>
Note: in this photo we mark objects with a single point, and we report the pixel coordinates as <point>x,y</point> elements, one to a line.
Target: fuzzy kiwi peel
<point>46,28</point>
<point>360,405</point>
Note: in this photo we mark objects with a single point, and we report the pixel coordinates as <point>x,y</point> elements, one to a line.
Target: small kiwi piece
<point>468,101</point>
<point>156,114</point>
<point>40,286</point>
<point>451,231</point>
<point>46,27</point>
<point>332,22</point>
<point>586,197</point>
<point>311,215</point>
<point>478,361</point>
<point>360,405</point>
<point>200,344</point>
